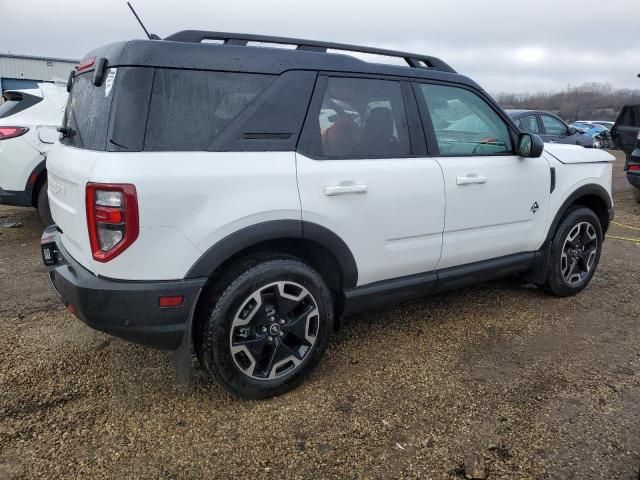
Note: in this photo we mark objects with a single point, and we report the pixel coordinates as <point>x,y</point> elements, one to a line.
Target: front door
<point>496,202</point>
<point>361,175</point>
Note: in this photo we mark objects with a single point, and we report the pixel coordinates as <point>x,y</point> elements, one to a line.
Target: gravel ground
<point>533,386</point>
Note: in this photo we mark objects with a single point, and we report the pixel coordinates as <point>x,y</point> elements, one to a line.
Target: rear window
<point>88,109</point>
<point>14,102</point>
<point>189,109</point>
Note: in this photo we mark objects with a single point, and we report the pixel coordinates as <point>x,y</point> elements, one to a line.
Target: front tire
<point>268,329</point>
<point>575,253</point>
<point>43,205</point>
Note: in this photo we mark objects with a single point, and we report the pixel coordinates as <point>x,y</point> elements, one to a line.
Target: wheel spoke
<point>279,354</point>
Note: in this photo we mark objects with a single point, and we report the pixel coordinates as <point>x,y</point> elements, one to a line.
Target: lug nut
<point>264,329</point>
<point>269,339</point>
<point>282,322</point>
<point>281,333</point>
<point>272,319</point>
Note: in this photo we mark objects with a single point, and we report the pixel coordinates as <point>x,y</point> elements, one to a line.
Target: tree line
<point>589,101</point>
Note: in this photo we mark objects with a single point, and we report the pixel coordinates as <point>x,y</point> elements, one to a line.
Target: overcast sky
<point>505,45</point>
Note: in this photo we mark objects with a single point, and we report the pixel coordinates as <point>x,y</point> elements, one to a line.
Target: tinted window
<point>630,117</point>
<point>363,118</point>
<point>529,124</point>
<point>14,102</point>
<point>189,109</point>
<point>464,123</point>
<point>88,109</point>
<point>553,126</point>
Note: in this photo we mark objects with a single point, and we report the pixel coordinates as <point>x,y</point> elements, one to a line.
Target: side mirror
<point>573,131</point>
<point>530,145</point>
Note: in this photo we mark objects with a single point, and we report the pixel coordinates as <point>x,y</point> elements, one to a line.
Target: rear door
<point>363,173</point>
<point>625,131</point>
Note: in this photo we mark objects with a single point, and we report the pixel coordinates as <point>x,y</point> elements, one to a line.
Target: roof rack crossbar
<point>412,59</point>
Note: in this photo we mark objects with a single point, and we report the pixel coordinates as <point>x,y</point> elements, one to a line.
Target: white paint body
<point>19,156</point>
<point>398,216</point>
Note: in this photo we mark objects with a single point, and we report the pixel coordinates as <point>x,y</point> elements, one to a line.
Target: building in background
<point>24,71</point>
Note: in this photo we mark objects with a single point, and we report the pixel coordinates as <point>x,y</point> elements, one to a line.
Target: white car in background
<point>28,130</point>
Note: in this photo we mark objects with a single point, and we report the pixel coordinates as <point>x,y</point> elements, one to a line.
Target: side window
<point>464,123</point>
<point>189,108</point>
<point>529,124</point>
<point>553,126</point>
<point>362,118</point>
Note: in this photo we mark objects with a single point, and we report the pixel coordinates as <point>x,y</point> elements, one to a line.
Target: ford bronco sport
<point>239,199</point>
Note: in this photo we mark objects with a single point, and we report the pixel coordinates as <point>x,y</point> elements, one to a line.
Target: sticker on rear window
<point>108,83</point>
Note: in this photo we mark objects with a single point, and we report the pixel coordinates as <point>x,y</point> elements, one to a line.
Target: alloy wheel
<point>274,330</point>
<point>579,253</point>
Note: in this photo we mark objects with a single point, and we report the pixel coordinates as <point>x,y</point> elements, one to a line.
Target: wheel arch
<point>317,245</point>
<point>592,196</point>
<point>36,179</point>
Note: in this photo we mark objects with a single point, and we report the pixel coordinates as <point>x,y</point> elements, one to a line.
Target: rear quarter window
<point>88,110</point>
<point>14,102</point>
<point>189,109</point>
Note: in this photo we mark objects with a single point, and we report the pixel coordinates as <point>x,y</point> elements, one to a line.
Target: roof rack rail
<point>412,59</point>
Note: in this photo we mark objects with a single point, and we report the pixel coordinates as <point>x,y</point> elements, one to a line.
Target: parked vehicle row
<point>208,195</point>
<point>626,136</point>
<point>28,130</point>
<point>551,128</point>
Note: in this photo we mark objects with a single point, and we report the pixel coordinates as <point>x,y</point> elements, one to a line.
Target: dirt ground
<point>535,386</point>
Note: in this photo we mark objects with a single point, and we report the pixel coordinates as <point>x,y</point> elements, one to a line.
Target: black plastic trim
<point>129,310</point>
<point>277,230</point>
<point>553,179</point>
<point>417,286</point>
<point>591,189</point>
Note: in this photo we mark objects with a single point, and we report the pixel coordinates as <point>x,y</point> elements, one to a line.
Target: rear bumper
<point>15,198</point>
<point>126,309</point>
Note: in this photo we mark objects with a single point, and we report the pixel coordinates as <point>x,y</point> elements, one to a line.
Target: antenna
<point>151,36</point>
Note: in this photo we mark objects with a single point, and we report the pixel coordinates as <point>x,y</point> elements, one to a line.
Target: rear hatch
<point>69,166</point>
<point>625,131</point>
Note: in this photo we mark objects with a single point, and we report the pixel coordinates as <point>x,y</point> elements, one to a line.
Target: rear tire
<point>43,205</point>
<point>268,329</point>
<point>636,193</point>
<point>575,253</point>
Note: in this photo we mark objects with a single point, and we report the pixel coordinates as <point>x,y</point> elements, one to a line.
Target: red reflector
<point>108,215</point>
<point>71,309</point>
<point>12,132</point>
<point>634,168</point>
<point>86,64</point>
<point>174,301</point>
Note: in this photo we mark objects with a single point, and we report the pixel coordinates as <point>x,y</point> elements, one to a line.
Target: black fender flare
<point>589,189</point>
<point>277,230</point>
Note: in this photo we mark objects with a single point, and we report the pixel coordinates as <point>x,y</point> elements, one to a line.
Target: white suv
<point>241,199</point>
<point>28,122</point>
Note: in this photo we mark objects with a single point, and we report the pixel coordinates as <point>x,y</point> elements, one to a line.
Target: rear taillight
<point>112,219</point>
<point>12,132</point>
<point>633,168</point>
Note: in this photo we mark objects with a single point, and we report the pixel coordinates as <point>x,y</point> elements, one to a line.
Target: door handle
<point>344,189</point>
<point>470,179</point>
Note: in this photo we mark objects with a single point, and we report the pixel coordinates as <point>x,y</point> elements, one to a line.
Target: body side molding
<point>417,286</point>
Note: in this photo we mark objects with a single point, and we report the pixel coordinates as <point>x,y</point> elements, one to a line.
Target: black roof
<point>187,50</point>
